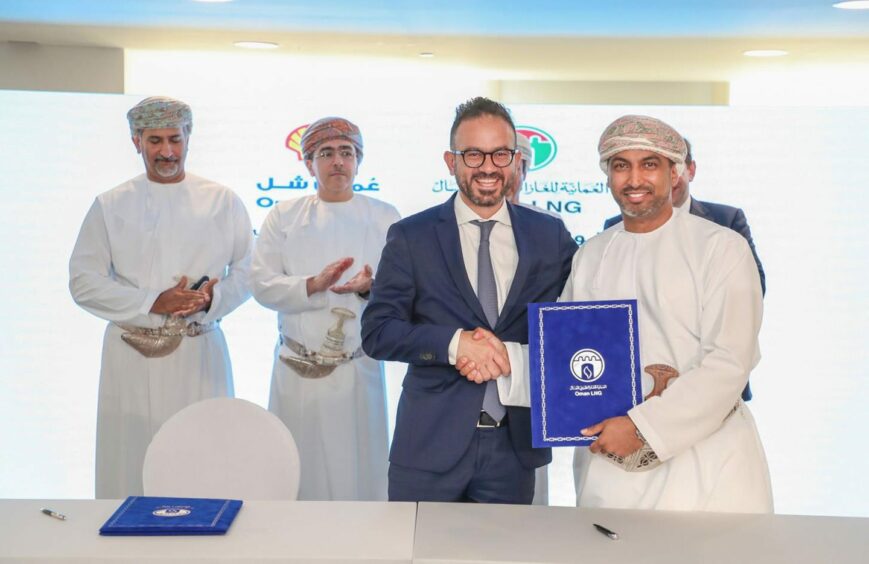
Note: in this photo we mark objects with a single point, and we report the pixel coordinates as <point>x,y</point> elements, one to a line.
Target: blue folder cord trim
<point>123,510</point>
<point>630,311</point>
<point>132,499</point>
<point>219,513</point>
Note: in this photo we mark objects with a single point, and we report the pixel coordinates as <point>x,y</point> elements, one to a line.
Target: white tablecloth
<point>469,533</point>
<point>331,532</point>
<point>263,531</point>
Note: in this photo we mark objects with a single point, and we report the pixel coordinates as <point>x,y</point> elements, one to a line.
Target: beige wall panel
<point>614,92</point>
<point>33,66</point>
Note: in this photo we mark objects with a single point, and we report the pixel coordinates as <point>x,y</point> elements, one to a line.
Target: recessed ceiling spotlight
<point>426,54</point>
<point>765,53</point>
<point>256,44</point>
<point>853,5</point>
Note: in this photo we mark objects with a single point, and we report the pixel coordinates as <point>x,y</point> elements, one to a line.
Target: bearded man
<point>700,306</point>
<point>473,262</point>
<point>163,258</point>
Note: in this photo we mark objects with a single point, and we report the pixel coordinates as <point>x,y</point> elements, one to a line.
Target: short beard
<point>635,213</point>
<point>507,187</point>
<point>649,211</point>
<point>162,173</point>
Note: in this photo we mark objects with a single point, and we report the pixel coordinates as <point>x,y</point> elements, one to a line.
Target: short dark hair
<point>689,158</point>
<point>477,107</point>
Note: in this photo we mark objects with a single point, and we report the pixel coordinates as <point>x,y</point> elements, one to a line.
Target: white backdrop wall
<point>798,172</point>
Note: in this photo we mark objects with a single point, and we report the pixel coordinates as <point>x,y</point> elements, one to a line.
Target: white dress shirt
<point>505,260</point>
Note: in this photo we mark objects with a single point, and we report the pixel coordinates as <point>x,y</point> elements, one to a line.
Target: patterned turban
<point>158,112</point>
<point>329,128</point>
<point>644,133</point>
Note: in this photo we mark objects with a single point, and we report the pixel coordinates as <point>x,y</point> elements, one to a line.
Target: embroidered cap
<point>644,133</point>
<point>329,128</point>
<point>158,112</point>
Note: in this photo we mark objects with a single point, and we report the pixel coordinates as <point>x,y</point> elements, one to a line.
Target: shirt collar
<point>465,214</point>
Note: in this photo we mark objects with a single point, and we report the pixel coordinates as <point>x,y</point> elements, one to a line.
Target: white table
<point>467,533</point>
<point>263,531</point>
<point>331,532</point>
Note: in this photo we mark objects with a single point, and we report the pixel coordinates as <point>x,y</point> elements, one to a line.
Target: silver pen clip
<point>52,513</point>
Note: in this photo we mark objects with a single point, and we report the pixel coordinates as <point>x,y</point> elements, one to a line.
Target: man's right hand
<point>328,277</point>
<point>179,299</point>
<point>481,356</point>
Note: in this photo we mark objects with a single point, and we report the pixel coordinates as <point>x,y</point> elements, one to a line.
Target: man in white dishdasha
<point>700,309</point>
<point>140,262</point>
<point>313,265</point>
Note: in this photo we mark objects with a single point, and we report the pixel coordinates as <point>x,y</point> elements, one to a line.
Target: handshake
<point>481,356</point>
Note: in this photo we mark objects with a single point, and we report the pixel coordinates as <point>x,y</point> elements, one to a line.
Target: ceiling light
<point>853,5</point>
<point>256,44</point>
<point>426,54</point>
<point>765,53</point>
<point>212,1</point>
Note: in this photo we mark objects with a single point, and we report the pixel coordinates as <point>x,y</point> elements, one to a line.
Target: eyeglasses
<point>329,154</point>
<point>475,159</point>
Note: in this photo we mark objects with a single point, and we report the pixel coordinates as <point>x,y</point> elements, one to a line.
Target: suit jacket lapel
<point>448,237</point>
<point>520,230</point>
<point>698,209</point>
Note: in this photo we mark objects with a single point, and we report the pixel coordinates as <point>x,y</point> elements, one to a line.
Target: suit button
<point>426,356</point>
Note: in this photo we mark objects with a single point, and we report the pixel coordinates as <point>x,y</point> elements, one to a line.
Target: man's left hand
<point>208,290</point>
<point>618,435</point>
<point>360,283</point>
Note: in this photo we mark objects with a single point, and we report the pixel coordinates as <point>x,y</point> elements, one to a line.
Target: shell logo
<point>294,140</point>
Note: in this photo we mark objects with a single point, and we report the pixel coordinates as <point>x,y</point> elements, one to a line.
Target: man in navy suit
<point>726,216</point>
<point>473,262</point>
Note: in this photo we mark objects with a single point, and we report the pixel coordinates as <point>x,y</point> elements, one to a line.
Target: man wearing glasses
<point>471,263</point>
<point>313,265</point>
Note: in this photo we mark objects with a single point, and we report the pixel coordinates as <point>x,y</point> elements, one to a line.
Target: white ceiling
<point>557,40</point>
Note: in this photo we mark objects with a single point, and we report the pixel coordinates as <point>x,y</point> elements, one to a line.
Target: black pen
<point>54,514</point>
<point>604,531</point>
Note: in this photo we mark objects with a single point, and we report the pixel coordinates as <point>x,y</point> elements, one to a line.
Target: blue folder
<point>584,362</point>
<point>142,515</point>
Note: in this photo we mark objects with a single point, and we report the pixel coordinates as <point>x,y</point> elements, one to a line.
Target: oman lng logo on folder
<point>142,515</point>
<point>584,360</point>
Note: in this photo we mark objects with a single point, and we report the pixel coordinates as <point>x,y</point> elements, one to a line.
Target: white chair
<point>223,448</point>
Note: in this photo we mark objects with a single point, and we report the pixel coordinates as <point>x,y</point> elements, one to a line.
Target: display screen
<point>800,175</point>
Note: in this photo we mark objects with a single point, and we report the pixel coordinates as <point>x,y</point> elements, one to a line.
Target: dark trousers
<point>488,472</point>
